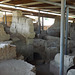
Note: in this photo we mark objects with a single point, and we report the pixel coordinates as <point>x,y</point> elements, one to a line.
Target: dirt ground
<point>43,69</point>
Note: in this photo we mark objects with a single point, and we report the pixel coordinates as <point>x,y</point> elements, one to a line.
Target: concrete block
<point>71,72</point>
<point>68,60</point>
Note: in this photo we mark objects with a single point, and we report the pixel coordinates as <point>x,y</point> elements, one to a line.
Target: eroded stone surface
<point>16,67</point>
<point>68,60</point>
<point>71,72</point>
<point>54,30</point>
<point>23,26</point>
<point>23,49</point>
<point>3,35</point>
<point>46,48</point>
<point>7,51</point>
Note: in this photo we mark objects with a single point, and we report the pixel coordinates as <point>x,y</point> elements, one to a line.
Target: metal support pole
<point>63,5</point>
<point>5,18</point>
<point>39,25</point>
<point>42,23</point>
<point>66,32</point>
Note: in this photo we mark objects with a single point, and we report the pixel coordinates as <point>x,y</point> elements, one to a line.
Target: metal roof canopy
<point>56,4</point>
<point>50,5</point>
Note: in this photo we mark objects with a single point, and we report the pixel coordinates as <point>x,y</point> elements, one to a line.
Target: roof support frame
<point>53,3</point>
<point>62,28</point>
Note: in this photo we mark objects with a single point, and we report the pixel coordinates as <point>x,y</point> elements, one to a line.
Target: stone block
<point>71,72</point>
<point>68,60</point>
<point>7,51</point>
<point>22,25</point>
<point>17,13</point>
<point>23,49</point>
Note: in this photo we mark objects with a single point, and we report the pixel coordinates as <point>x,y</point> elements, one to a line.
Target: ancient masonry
<point>7,51</point>
<point>22,25</point>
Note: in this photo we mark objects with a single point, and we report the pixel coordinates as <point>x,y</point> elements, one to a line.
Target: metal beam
<point>49,2</point>
<point>55,0</point>
<point>45,7</point>
<point>63,4</point>
<point>5,1</point>
<point>53,3</point>
<point>66,32</point>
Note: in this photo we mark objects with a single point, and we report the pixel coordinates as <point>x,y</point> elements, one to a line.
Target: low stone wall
<point>7,51</point>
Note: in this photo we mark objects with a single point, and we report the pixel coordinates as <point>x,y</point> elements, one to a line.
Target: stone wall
<point>54,30</point>
<point>46,48</point>
<point>23,26</point>
<point>71,72</point>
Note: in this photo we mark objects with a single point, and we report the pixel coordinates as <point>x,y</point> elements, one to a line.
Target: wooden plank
<point>4,1</point>
<point>32,3</point>
<point>21,1</point>
<point>46,7</point>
